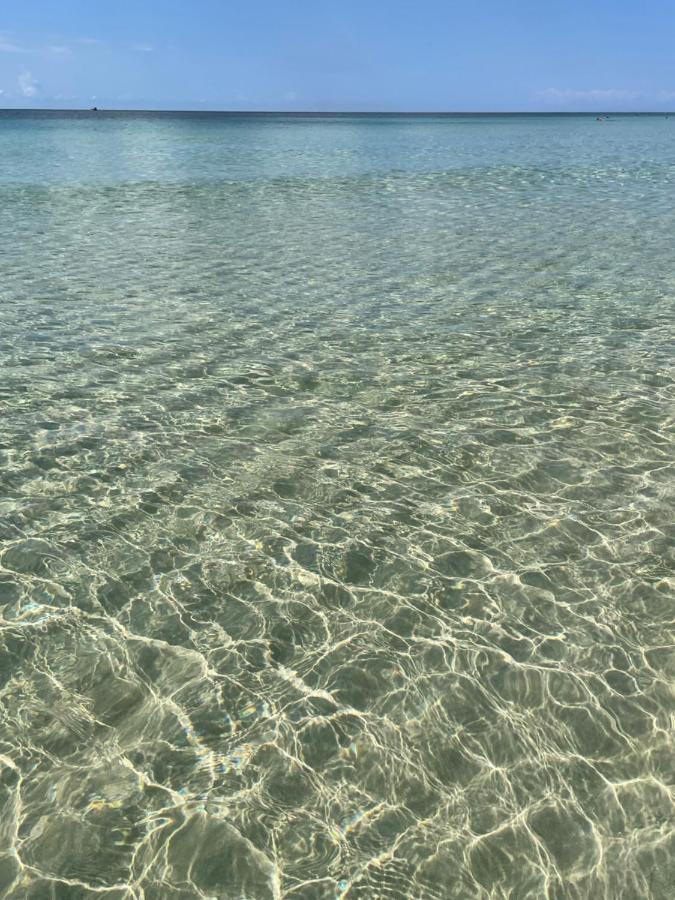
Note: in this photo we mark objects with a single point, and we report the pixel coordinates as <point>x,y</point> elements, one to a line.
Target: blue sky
<point>345,54</point>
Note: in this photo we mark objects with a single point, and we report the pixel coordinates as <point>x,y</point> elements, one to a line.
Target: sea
<point>337,534</point>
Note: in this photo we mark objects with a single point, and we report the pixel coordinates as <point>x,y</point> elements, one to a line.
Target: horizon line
<point>344,112</point>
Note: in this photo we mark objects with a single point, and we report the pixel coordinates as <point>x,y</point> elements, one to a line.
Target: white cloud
<point>143,48</point>
<point>60,50</point>
<point>28,85</point>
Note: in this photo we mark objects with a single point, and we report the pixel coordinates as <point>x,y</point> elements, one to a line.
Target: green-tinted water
<point>336,507</point>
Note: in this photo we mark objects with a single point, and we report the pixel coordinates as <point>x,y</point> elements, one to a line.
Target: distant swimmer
<point>599,119</point>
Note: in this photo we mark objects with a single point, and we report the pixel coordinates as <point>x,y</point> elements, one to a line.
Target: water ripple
<point>336,528</point>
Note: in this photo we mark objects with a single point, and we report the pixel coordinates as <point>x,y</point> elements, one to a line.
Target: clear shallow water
<point>336,507</point>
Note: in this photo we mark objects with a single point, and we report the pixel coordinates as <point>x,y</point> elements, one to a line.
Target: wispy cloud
<point>605,98</point>
<point>143,48</point>
<point>595,95</point>
<point>28,86</point>
<point>7,45</point>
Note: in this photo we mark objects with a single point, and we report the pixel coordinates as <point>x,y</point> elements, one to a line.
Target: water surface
<point>336,507</point>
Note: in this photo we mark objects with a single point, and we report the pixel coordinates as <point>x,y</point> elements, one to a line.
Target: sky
<point>480,55</point>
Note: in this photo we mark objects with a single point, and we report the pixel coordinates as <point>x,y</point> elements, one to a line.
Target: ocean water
<point>336,507</point>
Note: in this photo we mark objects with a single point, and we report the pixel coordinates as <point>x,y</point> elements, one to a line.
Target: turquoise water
<point>336,507</point>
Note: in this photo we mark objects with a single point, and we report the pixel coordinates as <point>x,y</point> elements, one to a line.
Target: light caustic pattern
<point>336,508</point>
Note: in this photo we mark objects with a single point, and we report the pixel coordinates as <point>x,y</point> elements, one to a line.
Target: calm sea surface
<point>337,470</point>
